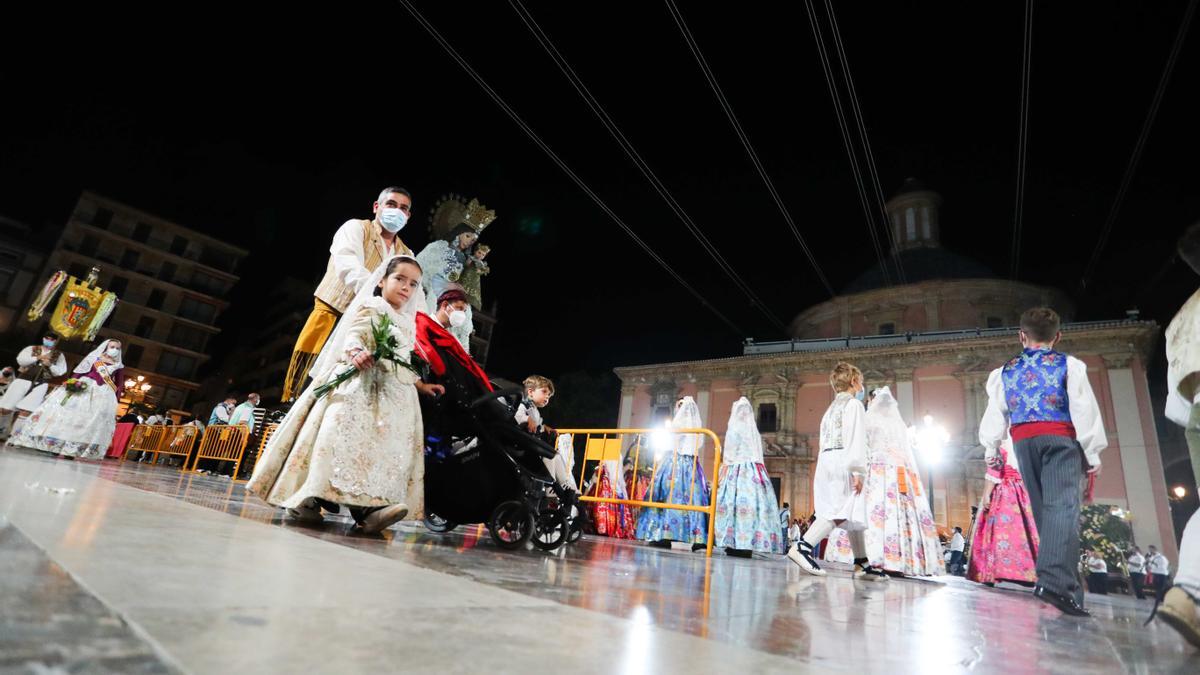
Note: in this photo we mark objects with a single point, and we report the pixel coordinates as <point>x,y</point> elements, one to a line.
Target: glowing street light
<point>931,439</point>
<point>1180,491</point>
<point>660,441</point>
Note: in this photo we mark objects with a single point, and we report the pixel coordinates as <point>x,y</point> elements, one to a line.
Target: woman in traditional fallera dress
<point>1005,544</point>
<point>901,536</point>
<point>362,444</point>
<point>80,423</point>
<point>613,520</point>
<point>679,480</point>
<point>747,510</point>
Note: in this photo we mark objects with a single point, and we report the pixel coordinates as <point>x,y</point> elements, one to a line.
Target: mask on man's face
<point>49,344</point>
<point>457,317</point>
<point>392,219</point>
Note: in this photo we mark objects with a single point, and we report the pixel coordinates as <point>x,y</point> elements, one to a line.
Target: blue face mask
<point>49,344</point>
<point>861,394</point>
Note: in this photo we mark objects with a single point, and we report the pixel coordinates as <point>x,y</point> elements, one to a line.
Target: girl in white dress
<point>362,444</point>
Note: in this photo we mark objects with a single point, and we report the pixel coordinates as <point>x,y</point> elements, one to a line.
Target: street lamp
<point>136,389</point>
<point>930,440</point>
<point>1180,491</point>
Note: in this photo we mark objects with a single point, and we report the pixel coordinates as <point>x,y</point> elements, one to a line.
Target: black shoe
<point>1065,604</point>
<point>738,552</point>
<point>661,543</point>
<point>699,547</point>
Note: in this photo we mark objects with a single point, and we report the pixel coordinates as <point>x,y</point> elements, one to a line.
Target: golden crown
<point>478,216</point>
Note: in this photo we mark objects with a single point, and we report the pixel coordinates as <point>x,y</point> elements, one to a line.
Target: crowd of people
<point>354,438</point>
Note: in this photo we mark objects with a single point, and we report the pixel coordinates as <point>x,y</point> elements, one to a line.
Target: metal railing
<point>606,444</point>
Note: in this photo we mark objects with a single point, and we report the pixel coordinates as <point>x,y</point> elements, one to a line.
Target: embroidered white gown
<point>359,445</point>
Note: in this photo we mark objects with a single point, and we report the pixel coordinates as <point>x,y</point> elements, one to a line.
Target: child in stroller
<point>480,466</point>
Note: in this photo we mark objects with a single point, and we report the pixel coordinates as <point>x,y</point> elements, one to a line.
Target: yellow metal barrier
<point>179,441</point>
<point>223,442</point>
<point>606,444</point>
<point>145,438</point>
<point>162,440</point>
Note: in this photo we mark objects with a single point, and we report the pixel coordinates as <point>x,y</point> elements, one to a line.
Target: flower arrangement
<point>73,386</point>
<point>386,346</point>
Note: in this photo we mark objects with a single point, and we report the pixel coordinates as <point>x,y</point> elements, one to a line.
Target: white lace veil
<point>334,347</point>
<point>886,431</point>
<point>743,442</point>
<point>687,416</point>
<point>88,361</point>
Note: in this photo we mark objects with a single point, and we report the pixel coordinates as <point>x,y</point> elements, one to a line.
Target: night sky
<point>269,129</point>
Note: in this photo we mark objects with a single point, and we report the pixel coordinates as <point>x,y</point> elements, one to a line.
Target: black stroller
<point>480,466</point>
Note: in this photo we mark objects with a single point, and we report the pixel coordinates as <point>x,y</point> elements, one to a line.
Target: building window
<point>132,356</point>
<point>910,223</point>
<point>175,365</point>
<point>145,327</point>
<point>995,322</point>
<point>887,329</point>
<point>6,280</point>
<point>195,310</point>
<point>157,296</point>
<point>217,259</point>
<point>208,284</point>
<point>925,228</point>
<point>178,245</point>
<point>187,337</point>
<point>141,232</point>
<point>102,218</point>
<point>167,272</point>
<point>767,418</point>
<point>90,245</point>
<point>129,259</point>
<point>118,285</point>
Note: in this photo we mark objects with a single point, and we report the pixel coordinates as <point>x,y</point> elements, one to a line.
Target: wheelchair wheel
<point>551,530</point>
<point>511,524</point>
<point>435,523</point>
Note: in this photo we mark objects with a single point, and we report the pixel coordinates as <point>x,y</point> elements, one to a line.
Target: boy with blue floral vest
<point>1043,398</point>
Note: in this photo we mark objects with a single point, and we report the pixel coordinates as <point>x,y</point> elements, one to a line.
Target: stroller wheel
<point>576,530</point>
<point>511,524</point>
<point>551,530</point>
<point>435,523</point>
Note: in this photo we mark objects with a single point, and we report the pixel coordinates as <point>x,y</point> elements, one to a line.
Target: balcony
<point>90,261</point>
<point>196,261</point>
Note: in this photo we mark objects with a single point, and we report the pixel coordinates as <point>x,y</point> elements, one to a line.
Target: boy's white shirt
<point>1085,413</point>
<point>1183,360</point>
<point>854,436</point>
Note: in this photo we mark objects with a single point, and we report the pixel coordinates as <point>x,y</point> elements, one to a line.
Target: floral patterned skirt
<point>747,511</point>
<point>1006,538</point>
<point>680,481</point>
<point>901,536</point>
<point>611,520</point>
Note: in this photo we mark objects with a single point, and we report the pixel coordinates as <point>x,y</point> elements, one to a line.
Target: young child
<point>901,537</point>
<point>1042,397</point>
<point>80,423</point>
<point>361,445</point>
<point>839,475</point>
<point>538,391</point>
<point>1005,544</point>
<point>1181,604</point>
<point>747,519</point>
<point>679,480</point>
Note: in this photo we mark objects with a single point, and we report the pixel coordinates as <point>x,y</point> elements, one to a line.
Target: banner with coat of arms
<point>82,308</point>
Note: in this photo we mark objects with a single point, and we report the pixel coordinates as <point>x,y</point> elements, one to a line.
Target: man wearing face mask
<point>452,313</point>
<point>358,248</point>
<point>37,365</point>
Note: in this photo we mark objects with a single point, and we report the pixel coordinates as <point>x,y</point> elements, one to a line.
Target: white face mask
<point>457,317</point>
<point>113,352</point>
<point>392,219</point>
